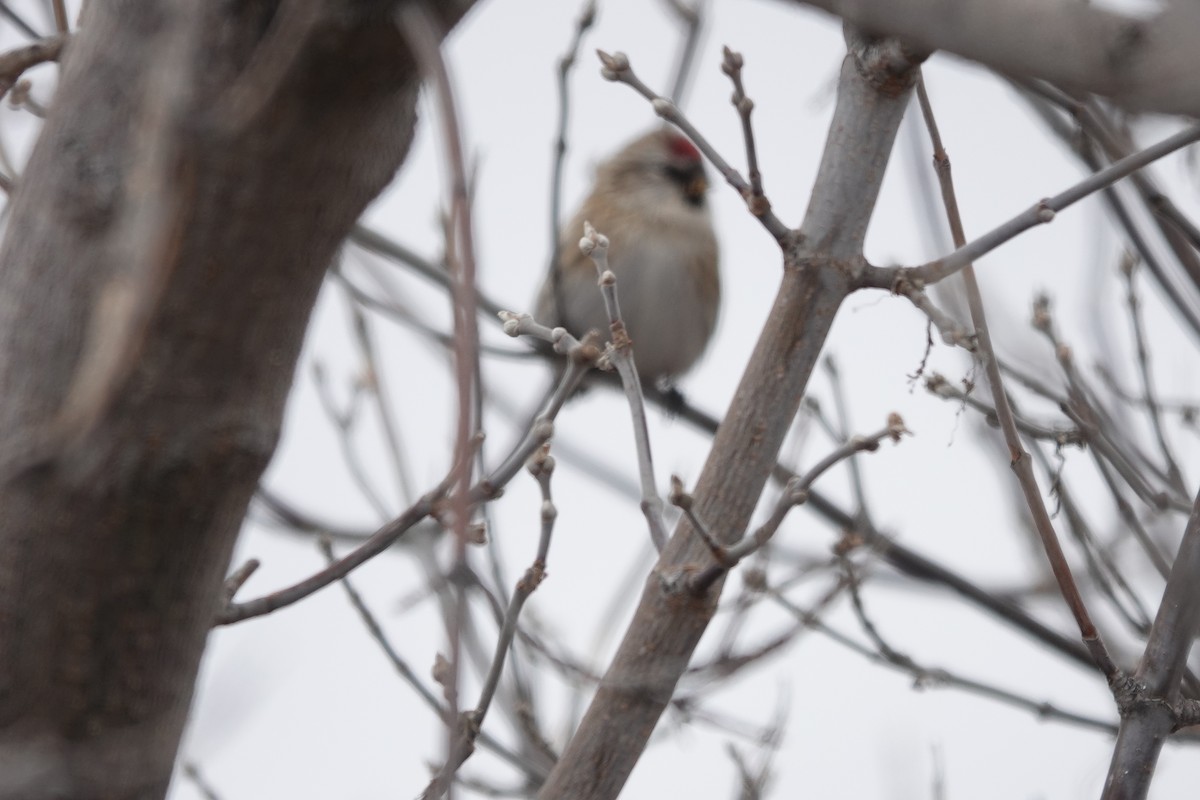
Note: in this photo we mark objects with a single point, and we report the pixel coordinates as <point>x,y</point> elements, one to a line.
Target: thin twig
<point>755,782</point>
<point>423,33</point>
<point>237,579</point>
<point>191,771</point>
<point>376,242</point>
<point>1044,100</point>
<point>731,65</point>
<point>951,332</point>
<point>595,245</point>
<point>287,515</point>
<point>1104,572</point>
<point>18,22</point>
<point>1128,270</point>
<point>60,16</point>
<point>1020,460</point>
<point>1187,410</point>
<point>541,466</point>
<point>794,494</point>
<point>1179,232</point>
<point>729,663</point>
<point>344,422</point>
<point>1083,407</point>
<point>841,435</point>
<point>395,311</point>
<point>616,68</point>
<point>937,385</point>
<point>684,502</point>
<point>587,18</point>
<point>375,630</point>
<point>933,677</point>
<point>692,18</point>
<point>376,385</point>
<point>381,540</point>
<point>1040,214</point>
<point>907,561</point>
<point>582,356</point>
<point>1129,518</point>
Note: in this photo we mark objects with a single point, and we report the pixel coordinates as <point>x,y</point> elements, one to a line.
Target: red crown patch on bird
<point>682,147</point>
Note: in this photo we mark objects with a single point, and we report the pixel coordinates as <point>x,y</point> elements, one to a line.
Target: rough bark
<point>164,249</point>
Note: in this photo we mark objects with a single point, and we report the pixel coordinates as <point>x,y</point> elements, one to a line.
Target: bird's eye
<point>691,181</point>
<point>681,175</point>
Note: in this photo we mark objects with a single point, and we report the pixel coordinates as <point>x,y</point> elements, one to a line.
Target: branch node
<point>663,107</point>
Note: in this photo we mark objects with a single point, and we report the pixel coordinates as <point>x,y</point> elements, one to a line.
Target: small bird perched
<point>649,200</point>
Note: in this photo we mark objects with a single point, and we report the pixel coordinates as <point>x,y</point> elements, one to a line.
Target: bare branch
<point>1135,60</point>
<point>375,630</point>
<point>541,466</point>
<point>424,33</point>
<point>916,565</point>
<point>18,21</point>
<point>951,332</point>
<point>820,271</point>
<point>238,578</point>
<point>616,68</point>
<point>1020,460</point>
<point>14,63</point>
<point>1148,703</point>
<point>1040,213</point>
<point>1176,229</point>
<point>344,422</point>
<point>794,494</point>
<point>692,18</point>
<point>486,489</point>
<point>1084,409</point>
<point>191,770</point>
<point>1061,437</point>
<point>595,245</point>
<point>936,677</point>
<point>375,382</point>
<point>732,66</point>
<point>60,16</point>
<point>1142,353</point>
<point>587,17</point>
<point>376,242</point>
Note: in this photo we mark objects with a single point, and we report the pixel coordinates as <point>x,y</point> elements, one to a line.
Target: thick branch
<point>1151,716</point>
<point>818,275</point>
<point>1143,63</point>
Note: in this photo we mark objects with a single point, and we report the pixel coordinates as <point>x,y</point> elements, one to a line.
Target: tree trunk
<point>200,166</point>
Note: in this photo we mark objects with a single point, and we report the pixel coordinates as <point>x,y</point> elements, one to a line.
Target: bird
<point>650,200</point>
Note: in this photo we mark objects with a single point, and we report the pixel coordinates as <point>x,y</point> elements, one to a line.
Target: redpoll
<point>648,199</point>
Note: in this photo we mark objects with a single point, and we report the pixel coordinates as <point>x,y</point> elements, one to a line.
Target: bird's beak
<point>696,187</point>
